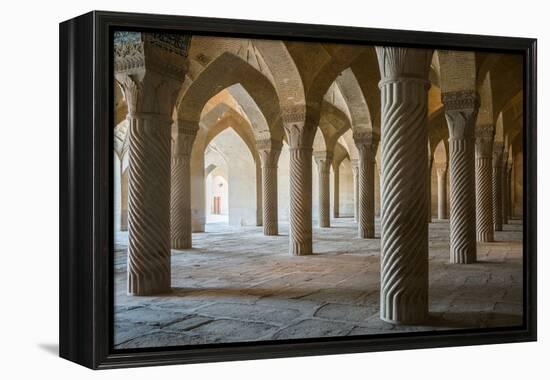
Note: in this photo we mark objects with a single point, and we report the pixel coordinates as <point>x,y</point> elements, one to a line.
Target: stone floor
<point>237,285</point>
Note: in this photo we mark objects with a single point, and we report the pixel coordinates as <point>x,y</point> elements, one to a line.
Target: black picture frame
<point>86,204</point>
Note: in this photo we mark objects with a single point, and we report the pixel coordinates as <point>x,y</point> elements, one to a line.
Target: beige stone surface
<point>238,285</point>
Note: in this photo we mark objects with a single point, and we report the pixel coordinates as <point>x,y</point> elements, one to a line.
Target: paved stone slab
<point>238,285</point>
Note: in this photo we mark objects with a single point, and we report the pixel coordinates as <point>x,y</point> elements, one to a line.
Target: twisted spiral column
<point>324,160</point>
<point>429,188</point>
<point>336,192</point>
<point>498,149</point>
<point>180,195</point>
<point>504,188</point>
<point>509,184</point>
<point>149,204</point>
<point>355,170</point>
<point>150,92</point>
<point>484,183</point>
<point>366,144</point>
<point>300,201</point>
<point>511,192</point>
<point>461,110</point>
<point>269,154</point>
<point>404,239</point>
<point>441,191</point>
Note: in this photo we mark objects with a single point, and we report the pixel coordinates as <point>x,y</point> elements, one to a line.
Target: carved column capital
<point>498,154</point>
<point>299,130</point>
<point>366,143</point>
<point>398,64</point>
<point>323,159</point>
<point>183,138</point>
<point>165,53</point>
<point>461,109</point>
<point>484,140</point>
<point>150,69</point>
<point>269,151</point>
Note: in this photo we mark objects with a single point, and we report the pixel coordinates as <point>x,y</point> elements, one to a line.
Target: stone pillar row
<point>484,183</point>
<point>366,144</point>
<point>404,131</point>
<point>461,108</point>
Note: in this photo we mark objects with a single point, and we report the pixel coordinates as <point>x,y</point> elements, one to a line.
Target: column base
<point>305,249</point>
<point>485,237</point>
<point>366,234</point>
<point>181,244</point>
<point>412,319</point>
<point>271,230</point>
<point>462,258</point>
<point>160,287</point>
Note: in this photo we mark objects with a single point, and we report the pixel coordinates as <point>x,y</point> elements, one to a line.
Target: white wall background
<point>29,191</point>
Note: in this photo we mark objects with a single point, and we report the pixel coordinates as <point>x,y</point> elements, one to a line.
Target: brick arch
<point>353,96</point>
<point>224,72</point>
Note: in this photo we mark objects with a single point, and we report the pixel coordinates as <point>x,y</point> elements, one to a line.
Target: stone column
<point>509,184</point>
<point>429,188</point>
<point>150,91</point>
<point>324,161</point>
<point>504,188</point>
<point>461,108</point>
<point>180,195</point>
<point>259,194</point>
<point>366,144</point>
<point>404,244</point>
<point>269,154</point>
<point>498,149</point>
<point>355,170</point>
<point>441,169</point>
<point>336,192</point>
<point>300,141</point>
<point>484,183</point>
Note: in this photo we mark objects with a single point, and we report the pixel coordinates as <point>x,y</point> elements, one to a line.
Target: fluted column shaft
<point>429,188</point>
<point>324,161</point>
<point>336,192</point>
<point>366,144</point>
<point>509,192</point>
<point>300,136</point>
<point>498,149</point>
<point>441,191</point>
<point>300,201</point>
<point>484,183</point>
<point>180,195</point>
<point>269,154</point>
<point>505,190</point>
<point>355,170</point>
<point>404,135</point>
<point>149,204</point>
<point>461,110</point>
<point>150,92</point>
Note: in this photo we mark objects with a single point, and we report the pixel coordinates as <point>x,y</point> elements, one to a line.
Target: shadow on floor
<point>51,348</point>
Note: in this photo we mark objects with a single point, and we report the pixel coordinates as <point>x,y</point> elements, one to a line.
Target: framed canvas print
<point>238,189</point>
